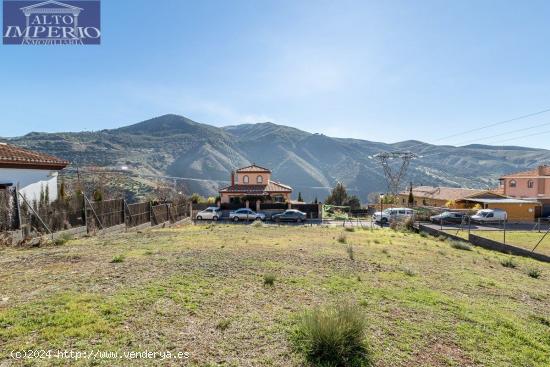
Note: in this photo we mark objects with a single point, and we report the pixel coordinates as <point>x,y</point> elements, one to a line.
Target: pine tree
<point>300,197</point>
<point>411,196</point>
<point>338,196</point>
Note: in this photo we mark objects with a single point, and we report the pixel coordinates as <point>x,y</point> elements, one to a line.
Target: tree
<point>62,194</point>
<point>316,201</point>
<point>338,196</point>
<point>353,202</point>
<point>411,196</point>
<point>300,197</point>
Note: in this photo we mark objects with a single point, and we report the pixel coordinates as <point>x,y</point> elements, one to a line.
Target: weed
<point>508,263</point>
<point>222,325</point>
<point>333,336</point>
<point>534,273</point>
<point>63,239</point>
<point>349,250</point>
<point>377,241</point>
<point>409,272</point>
<point>257,224</point>
<point>269,279</point>
<point>423,234</point>
<point>460,245</point>
<point>386,251</point>
<point>350,229</point>
<point>118,259</point>
<point>342,238</point>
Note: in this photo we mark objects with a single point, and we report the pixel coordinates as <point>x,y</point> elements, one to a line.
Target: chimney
<point>232,178</point>
<point>541,170</point>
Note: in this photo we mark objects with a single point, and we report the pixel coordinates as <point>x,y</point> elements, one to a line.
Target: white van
<point>489,215</point>
<point>393,214</point>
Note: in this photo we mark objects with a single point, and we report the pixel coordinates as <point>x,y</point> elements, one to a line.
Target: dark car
<point>448,217</point>
<point>290,215</point>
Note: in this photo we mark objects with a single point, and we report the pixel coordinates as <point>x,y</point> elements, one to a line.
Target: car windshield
<point>387,211</point>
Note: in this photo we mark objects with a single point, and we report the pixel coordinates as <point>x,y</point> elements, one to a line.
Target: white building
<point>32,173</point>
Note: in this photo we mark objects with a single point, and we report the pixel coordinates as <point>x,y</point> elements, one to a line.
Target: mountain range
<point>204,155</point>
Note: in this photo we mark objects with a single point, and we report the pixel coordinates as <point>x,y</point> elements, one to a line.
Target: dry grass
<point>199,289</point>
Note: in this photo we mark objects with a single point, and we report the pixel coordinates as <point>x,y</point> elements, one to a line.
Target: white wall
<point>31,181</point>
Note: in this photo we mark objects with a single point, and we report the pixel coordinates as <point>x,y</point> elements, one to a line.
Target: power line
<point>505,133</point>
<point>485,127</point>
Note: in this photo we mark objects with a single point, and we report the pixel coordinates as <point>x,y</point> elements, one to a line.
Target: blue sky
<point>377,70</point>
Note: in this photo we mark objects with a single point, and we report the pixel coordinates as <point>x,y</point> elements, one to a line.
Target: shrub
<point>423,234</point>
<point>350,229</point>
<point>409,272</point>
<point>342,238</point>
<point>269,279</point>
<point>257,223</point>
<point>333,336</point>
<point>508,263</point>
<point>460,245</point>
<point>534,273</point>
<point>63,239</point>
<point>223,324</point>
<point>118,259</point>
<point>350,252</point>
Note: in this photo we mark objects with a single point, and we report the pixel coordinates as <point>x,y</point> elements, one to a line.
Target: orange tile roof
<point>272,186</point>
<point>545,170</point>
<point>442,193</point>
<point>12,156</point>
<point>253,168</point>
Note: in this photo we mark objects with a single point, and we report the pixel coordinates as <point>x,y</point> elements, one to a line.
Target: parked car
<point>290,215</point>
<point>489,215</point>
<point>393,214</point>
<point>210,213</point>
<point>245,214</point>
<point>448,217</point>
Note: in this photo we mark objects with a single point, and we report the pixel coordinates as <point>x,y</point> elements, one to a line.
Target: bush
<point>342,238</point>
<point>350,229</point>
<point>423,234</point>
<point>460,245</point>
<point>508,263</point>
<point>118,259</point>
<point>222,325</point>
<point>269,279</point>
<point>350,252</point>
<point>333,336</point>
<point>534,273</point>
<point>257,223</point>
<point>63,239</point>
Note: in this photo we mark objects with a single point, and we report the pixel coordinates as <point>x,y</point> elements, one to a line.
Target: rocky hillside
<point>172,145</point>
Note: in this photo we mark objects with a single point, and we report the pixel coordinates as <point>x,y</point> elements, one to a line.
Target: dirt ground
<point>200,290</point>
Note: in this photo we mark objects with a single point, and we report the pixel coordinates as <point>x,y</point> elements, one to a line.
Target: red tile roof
<point>442,193</point>
<point>16,157</point>
<point>272,186</point>
<point>253,168</point>
<point>536,172</point>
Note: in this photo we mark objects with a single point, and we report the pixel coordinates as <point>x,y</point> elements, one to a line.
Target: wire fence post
<point>85,214</point>
<point>37,215</point>
<point>504,225</point>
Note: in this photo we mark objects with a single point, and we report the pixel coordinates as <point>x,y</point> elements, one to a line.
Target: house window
<point>530,184</point>
<point>278,198</point>
<point>245,179</point>
<point>513,183</point>
<point>259,179</point>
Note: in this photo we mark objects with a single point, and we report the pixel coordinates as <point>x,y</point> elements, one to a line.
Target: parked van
<point>489,215</point>
<point>393,214</point>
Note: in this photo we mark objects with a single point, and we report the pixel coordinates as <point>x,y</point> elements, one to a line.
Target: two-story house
<point>533,185</point>
<point>253,183</point>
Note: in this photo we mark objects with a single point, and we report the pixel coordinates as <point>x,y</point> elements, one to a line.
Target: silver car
<point>245,214</point>
<point>211,213</point>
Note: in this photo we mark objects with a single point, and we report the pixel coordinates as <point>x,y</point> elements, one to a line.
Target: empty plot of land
<point>200,289</point>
